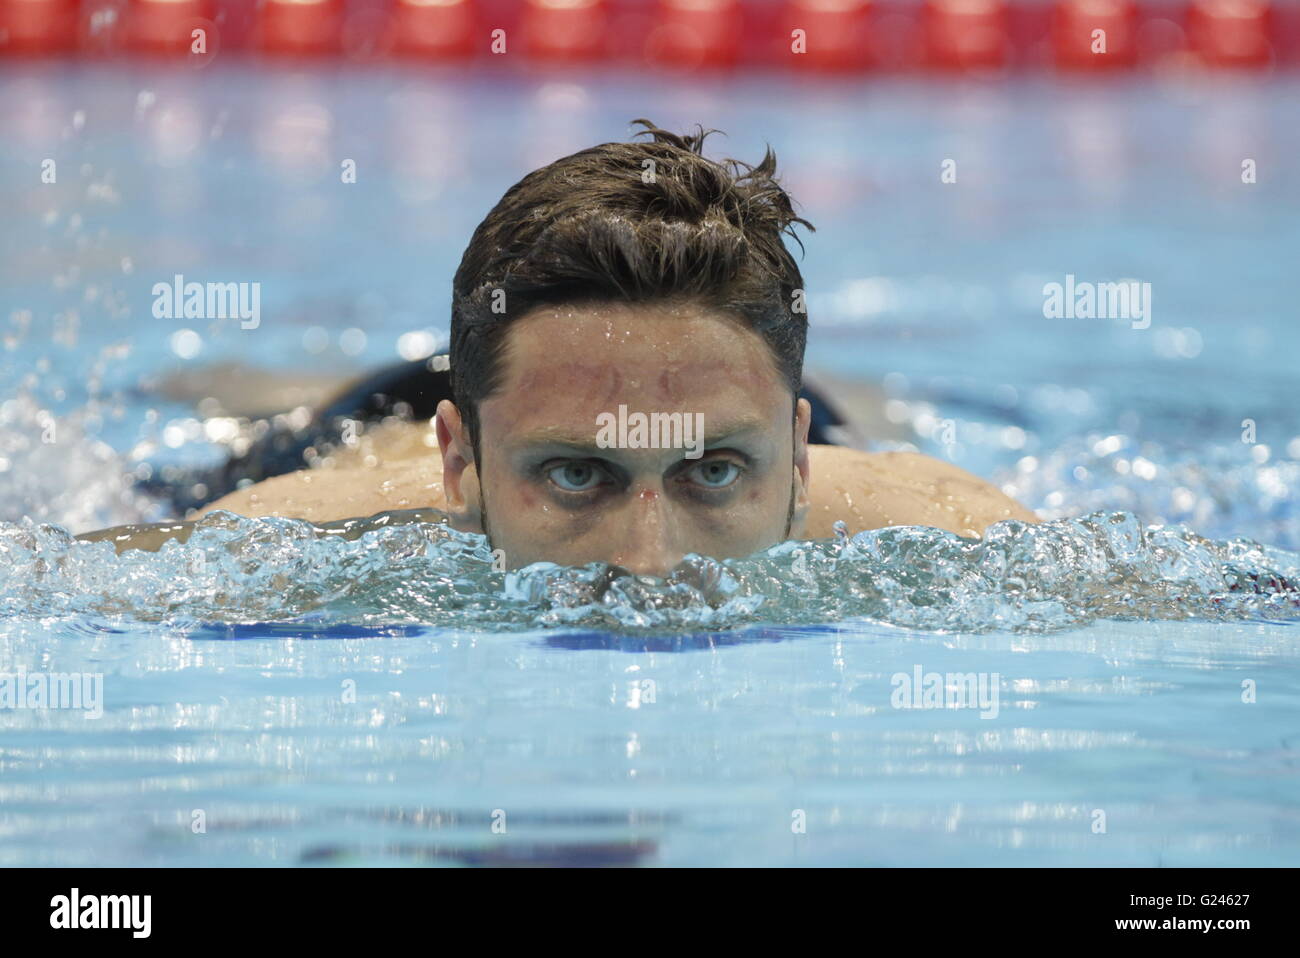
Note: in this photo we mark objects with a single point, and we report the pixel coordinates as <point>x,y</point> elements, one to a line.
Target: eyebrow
<point>731,430</point>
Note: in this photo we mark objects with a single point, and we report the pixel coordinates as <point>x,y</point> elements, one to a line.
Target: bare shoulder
<point>394,466</point>
<point>324,495</point>
<point>871,490</point>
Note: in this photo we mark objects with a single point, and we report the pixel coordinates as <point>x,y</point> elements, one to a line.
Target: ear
<point>460,480</point>
<point>802,468</point>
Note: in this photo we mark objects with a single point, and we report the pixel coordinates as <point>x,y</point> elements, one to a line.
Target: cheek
<point>774,486</point>
<point>513,493</point>
<point>526,495</point>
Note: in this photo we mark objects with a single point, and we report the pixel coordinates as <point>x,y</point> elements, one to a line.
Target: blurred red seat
<point>565,29</point>
<point>835,33</point>
<point>696,33</point>
<point>438,29</point>
<point>38,26</point>
<point>965,34</point>
<point>299,26</point>
<point>1230,33</point>
<point>1095,34</point>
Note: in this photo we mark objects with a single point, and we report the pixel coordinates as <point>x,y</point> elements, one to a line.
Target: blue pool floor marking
<point>242,631</point>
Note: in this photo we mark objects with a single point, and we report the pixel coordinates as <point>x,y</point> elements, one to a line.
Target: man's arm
<point>150,537</point>
<point>147,536</point>
<point>341,492</point>
<point>871,490</point>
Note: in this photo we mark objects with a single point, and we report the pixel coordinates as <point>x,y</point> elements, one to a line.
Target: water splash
<point>1020,577</point>
<point>1218,489</point>
<point>61,422</point>
<point>54,468</point>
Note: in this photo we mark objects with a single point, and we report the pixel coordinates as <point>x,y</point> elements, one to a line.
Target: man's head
<point>629,280</point>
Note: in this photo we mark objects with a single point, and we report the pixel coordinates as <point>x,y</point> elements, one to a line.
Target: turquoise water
<point>393,700</point>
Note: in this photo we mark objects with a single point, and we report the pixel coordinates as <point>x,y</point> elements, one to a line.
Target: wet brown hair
<point>642,221</point>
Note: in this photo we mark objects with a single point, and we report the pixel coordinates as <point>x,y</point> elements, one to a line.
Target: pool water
<point>272,698</point>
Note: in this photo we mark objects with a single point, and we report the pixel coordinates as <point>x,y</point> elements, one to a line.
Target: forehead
<point>586,359</point>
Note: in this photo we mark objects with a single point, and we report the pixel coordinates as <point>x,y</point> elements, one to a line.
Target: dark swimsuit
<point>411,390</point>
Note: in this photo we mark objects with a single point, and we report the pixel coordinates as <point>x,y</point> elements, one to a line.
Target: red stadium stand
<point>696,33</point>
<point>167,26</point>
<point>965,34</point>
<point>1095,34</point>
<point>436,29</point>
<point>300,27</point>
<point>38,26</point>
<point>564,29</point>
<point>834,35</point>
<point>816,36</point>
<point>1230,33</point>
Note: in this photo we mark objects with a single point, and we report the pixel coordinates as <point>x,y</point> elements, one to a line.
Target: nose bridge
<point>649,543</point>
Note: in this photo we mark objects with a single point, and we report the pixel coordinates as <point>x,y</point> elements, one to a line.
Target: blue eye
<point>575,476</point>
<point>715,473</point>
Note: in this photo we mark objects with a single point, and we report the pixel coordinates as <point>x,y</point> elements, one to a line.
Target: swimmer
<point>629,278</point>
